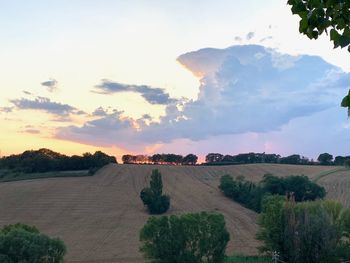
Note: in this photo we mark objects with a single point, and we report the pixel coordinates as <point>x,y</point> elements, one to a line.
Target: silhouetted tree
<point>213,157</point>
<point>190,159</point>
<point>325,158</point>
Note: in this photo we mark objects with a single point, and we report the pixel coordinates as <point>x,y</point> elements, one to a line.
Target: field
<point>9,175</point>
<point>99,217</point>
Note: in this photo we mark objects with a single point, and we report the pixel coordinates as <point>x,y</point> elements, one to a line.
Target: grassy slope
<point>8,175</point>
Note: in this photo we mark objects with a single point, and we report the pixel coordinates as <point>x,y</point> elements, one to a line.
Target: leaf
<point>334,35</point>
<point>303,25</point>
<point>345,102</point>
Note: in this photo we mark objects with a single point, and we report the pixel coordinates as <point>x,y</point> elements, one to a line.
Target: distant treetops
<point>174,159</point>
<point>244,158</point>
<point>45,160</point>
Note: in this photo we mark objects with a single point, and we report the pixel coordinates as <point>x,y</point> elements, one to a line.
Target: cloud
<point>150,94</point>
<point>32,131</point>
<point>250,35</point>
<point>51,85</point>
<point>100,112</point>
<point>45,104</point>
<point>109,126</point>
<point>246,89</point>
<point>238,39</point>
<point>266,39</point>
<point>6,109</point>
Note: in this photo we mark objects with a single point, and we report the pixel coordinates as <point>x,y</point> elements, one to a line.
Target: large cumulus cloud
<point>244,89</point>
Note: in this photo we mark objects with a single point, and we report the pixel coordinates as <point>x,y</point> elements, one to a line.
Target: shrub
<point>250,194</point>
<point>153,197</point>
<point>192,238</point>
<point>302,188</point>
<point>22,243</point>
<point>242,191</point>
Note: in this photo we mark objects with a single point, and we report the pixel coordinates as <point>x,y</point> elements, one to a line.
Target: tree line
<point>45,160</point>
<point>169,158</point>
<point>245,158</point>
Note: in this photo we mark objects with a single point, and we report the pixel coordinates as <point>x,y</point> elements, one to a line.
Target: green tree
<point>153,197</point>
<point>189,238</point>
<point>21,243</point>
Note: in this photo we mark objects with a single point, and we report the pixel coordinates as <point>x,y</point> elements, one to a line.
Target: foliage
<point>153,197</point>
<point>215,158</point>
<point>245,158</point>
<point>45,160</point>
<point>163,158</point>
<point>190,159</point>
<point>251,195</point>
<point>340,160</point>
<point>242,191</point>
<point>22,243</point>
<point>294,159</point>
<point>189,238</point>
<point>318,16</point>
<point>306,232</point>
<point>248,259</point>
<point>302,188</point>
<point>325,158</point>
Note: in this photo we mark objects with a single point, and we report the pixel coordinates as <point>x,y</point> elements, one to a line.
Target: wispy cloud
<point>150,94</point>
<point>27,92</point>
<point>31,131</point>
<point>45,104</point>
<point>6,109</point>
<point>250,35</point>
<point>51,85</point>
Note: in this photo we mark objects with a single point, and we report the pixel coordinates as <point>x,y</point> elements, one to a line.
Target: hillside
<point>99,217</point>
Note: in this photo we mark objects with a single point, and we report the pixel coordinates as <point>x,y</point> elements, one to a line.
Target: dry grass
<point>99,217</point>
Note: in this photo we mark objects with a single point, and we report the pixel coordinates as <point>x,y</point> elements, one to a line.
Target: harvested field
<point>99,217</point>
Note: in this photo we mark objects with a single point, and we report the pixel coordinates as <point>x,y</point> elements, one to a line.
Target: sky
<point>186,76</point>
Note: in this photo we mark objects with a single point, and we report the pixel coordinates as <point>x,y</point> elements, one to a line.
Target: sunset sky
<point>146,76</point>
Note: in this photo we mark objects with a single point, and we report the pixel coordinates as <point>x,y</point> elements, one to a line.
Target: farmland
<point>99,217</point>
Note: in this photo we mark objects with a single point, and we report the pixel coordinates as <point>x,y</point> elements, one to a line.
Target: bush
<point>242,191</point>
<point>153,197</point>
<point>250,195</point>
<point>22,243</point>
<point>301,187</point>
<point>190,238</point>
